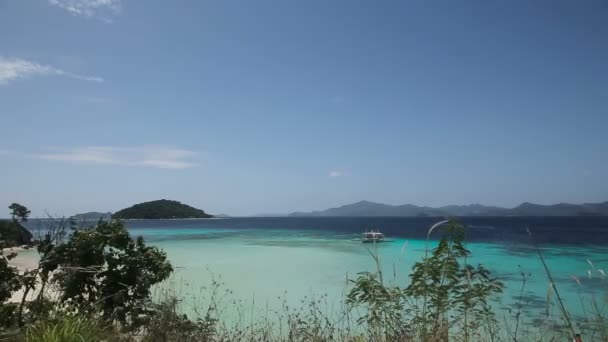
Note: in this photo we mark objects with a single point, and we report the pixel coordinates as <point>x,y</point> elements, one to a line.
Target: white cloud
<point>16,69</point>
<point>336,173</point>
<point>145,156</point>
<point>102,9</point>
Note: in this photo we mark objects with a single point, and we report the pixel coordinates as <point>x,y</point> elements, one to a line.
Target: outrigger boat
<point>372,237</point>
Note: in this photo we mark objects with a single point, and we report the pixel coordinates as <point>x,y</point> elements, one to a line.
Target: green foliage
<point>12,233</point>
<point>445,284</point>
<point>167,324</point>
<point>10,281</point>
<point>9,277</point>
<point>19,212</point>
<point>161,209</point>
<point>383,305</point>
<point>444,292</point>
<point>71,328</point>
<point>104,269</point>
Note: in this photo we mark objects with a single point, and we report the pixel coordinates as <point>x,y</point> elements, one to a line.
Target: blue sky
<point>245,107</point>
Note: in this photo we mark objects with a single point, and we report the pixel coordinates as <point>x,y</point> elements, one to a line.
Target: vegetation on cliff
<point>12,233</point>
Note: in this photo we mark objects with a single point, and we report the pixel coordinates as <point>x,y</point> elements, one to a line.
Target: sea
<point>264,263</point>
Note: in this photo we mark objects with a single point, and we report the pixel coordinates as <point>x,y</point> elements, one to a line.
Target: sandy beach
<point>25,260</point>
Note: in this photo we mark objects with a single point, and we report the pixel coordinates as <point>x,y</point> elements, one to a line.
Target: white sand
<point>26,259</point>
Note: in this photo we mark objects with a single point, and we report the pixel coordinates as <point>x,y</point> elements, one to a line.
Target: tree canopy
<point>19,212</point>
<point>105,268</point>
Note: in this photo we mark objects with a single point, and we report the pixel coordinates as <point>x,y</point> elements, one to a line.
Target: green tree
<point>103,269</point>
<point>19,212</point>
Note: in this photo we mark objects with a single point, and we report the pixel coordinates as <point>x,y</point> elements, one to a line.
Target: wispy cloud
<point>102,9</point>
<point>12,69</point>
<point>162,157</point>
<point>335,173</point>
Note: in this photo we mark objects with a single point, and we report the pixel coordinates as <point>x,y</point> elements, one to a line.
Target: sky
<point>249,107</point>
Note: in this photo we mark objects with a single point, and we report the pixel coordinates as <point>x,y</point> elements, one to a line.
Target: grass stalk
<point>557,295</point>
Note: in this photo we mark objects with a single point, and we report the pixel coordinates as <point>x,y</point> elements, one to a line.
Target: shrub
<point>449,292</point>
<point>166,324</point>
<point>105,270</point>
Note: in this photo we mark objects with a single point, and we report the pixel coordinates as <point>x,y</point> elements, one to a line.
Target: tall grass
<point>70,328</point>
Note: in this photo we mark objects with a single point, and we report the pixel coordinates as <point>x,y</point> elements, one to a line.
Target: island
<point>160,209</point>
<point>92,216</point>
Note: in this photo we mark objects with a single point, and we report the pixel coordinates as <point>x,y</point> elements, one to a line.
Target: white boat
<point>372,237</point>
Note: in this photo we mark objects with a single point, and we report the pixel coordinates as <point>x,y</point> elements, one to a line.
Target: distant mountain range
<point>92,216</point>
<point>366,208</point>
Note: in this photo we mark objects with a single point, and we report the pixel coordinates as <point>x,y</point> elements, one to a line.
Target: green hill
<point>161,209</point>
<point>14,234</point>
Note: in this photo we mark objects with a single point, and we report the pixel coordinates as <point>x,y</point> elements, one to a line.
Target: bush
<point>103,269</point>
<point>166,324</point>
<point>445,293</point>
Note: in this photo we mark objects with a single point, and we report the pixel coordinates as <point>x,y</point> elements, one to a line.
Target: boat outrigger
<point>372,237</point>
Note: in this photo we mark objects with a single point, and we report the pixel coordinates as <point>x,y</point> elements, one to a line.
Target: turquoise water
<point>260,264</point>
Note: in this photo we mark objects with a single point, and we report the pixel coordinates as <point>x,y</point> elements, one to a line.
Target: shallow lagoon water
<point>261,260</point>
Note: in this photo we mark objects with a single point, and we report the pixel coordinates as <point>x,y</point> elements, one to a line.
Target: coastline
<point>16,249</point>
<point>26,259</point>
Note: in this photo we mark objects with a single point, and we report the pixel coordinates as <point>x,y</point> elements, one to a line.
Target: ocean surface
<point>267,261</point>
<point>262,263</point>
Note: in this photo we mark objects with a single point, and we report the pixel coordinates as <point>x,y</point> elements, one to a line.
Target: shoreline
<point>16,249</point>
<point>26,259</point>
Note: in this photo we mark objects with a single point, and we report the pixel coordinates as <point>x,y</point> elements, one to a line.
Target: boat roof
<point>372,233</point>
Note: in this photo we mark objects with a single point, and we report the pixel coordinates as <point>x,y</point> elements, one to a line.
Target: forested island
<point>160,209</point>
